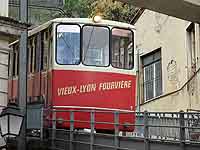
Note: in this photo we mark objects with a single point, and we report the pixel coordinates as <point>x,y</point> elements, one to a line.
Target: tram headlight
<point>97,19</point>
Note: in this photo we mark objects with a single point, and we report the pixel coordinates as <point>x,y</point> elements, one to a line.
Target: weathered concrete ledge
<point>11,27</point>
<point>183,9</point>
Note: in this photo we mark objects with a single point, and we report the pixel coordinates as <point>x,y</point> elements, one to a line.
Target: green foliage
<point>113,10</point>
<point>108,9</point>
<point>78,8</point>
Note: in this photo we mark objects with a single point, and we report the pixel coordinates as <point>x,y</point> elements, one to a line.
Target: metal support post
<point>22,87</point>
<point>92,124</point>
<point>138,80</point>
<point>42,123</point>
<point>22,82</point>
<point>146,132</point>
<point>71,130</point>
<point>53,136</point>
<point>182,130</point>
<point>116,119</point>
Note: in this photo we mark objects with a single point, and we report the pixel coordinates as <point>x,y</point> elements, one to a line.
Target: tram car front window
<point>95,46</point>
<point>68,44</point>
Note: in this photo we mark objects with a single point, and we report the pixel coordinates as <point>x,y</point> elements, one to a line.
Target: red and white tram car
<point>76,63</point>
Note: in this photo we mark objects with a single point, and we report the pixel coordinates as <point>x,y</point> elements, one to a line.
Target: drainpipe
<point>138,80</point>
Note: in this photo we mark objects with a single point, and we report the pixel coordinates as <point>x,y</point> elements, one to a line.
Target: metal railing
<point>149,127</point>
<point>180,130</point>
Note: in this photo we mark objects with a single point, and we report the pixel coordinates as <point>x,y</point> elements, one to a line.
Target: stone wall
<point>155,30</point>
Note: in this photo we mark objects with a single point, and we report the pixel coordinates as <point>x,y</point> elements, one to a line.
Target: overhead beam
<point>183,9</point>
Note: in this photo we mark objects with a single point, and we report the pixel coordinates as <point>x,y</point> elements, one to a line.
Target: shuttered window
<point>152,75</point>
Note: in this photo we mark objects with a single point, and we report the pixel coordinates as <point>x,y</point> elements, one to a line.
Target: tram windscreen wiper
<point>67,44</point>
<point>95,45</point>
<point>88,45</point>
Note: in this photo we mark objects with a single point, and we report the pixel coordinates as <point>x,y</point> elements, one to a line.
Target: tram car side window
<point>30,57</point>
<point>13,72</point>
<point>10,65</point>
<point>15,61</point>
<point>34,54</point>
<point>44,50</point>
<point>122,48</point>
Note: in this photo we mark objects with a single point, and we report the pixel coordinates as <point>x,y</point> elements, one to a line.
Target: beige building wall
<point>3,58</point>
<point>9,31</point>
<point>4,50</point>
<point>155,30</point>
<point>4,8</point>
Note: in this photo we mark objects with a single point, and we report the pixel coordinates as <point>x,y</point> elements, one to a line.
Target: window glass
<point>44,52</point>
<point>158,81</point>
<point>152,75</point>
<point>10,64</point>
<point>32,56</point>
<point>33,47</point>
<point>149,81</point>
<point>122,48</point>
<point>148,60</point>
<point>68,44</point>
<point>95,46</point>
<point>17,61</point>
<point>38,52</point>
<point>13,65</point>
<point>29,56</point>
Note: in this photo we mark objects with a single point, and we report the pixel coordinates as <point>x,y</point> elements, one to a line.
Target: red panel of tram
<point>97,90</point>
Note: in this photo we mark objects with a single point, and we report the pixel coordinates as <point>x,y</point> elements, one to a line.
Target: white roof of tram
<point>81,21</point>
<point>78,21</point>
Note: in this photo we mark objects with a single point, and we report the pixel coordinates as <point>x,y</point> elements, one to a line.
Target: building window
<point>152,70</point>
<point>191,46</point>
